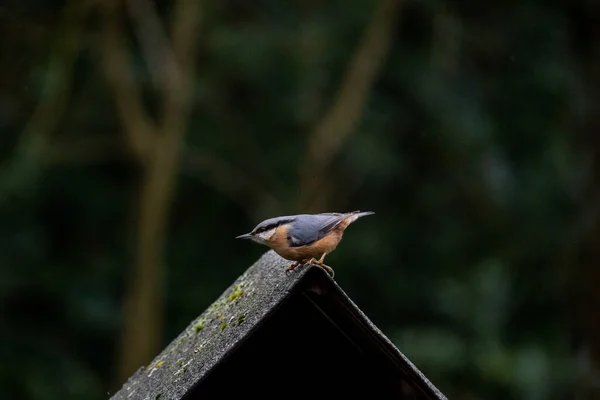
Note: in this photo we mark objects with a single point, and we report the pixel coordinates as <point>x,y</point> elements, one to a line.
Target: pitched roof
<point>246,307</point>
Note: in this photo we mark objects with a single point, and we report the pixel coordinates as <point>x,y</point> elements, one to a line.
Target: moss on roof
<point>215,332</point>
<point>231,318</point>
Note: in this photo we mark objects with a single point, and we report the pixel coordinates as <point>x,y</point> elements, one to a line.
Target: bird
<point>304,238</point>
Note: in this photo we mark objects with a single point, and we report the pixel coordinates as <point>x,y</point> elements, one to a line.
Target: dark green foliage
<point>468,150</point>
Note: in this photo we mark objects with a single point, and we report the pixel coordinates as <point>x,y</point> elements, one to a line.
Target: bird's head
<point>264,232</point>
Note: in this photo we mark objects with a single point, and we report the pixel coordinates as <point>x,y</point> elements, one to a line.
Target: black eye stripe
<point>271,226</point>
<point>265,228</point>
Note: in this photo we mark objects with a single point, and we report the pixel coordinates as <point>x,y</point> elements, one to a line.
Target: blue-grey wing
<point>309,228</point>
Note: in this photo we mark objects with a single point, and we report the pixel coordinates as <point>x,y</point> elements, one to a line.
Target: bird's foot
<point>291,267</point>
<point>328,269</point>
<point>321,264</point>
<point>314,261</point>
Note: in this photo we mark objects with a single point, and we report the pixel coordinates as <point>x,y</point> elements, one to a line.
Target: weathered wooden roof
<point>242,310</point>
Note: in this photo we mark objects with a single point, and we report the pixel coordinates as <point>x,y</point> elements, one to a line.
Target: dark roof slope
<point>230,320</point>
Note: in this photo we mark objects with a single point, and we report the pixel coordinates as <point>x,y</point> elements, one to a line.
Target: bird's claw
<point>289,269</point>
<point>313,261</point>
<point>328,269</point>
<point>321,264</point>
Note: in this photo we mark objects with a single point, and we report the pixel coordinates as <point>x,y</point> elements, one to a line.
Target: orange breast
<point>327,244</point>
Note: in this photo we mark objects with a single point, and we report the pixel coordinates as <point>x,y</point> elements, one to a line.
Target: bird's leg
<point>292,267</point>
<point>327,267</point>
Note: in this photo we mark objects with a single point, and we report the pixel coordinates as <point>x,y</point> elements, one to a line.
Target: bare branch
<point>85,151</point>
<point>144,301</point>
<point>27,161</point>
<point>447,41</point>
<point>154,41</point>
<point>234,183</point>
<point>347,108</point>
<point>239,186</point>
<point>138,128</point>
<point>228,180</point>
<point>168,67</point>
<point>184,45</point>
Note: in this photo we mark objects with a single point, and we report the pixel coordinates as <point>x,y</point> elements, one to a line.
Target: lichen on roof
<point>215,332</point>
<point>239,310</point>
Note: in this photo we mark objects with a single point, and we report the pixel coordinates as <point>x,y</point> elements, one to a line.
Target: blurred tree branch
<point>145,301</point>
<point>153,41</point>
<point>249,193</point>
<point>115,60</point>
<point>214,171</point>
<point>25,165</point>
<point>585,249</point>
<point>217,172</point>
<point>339,121</point>
<point>157,146</point>
<point>84,151</point>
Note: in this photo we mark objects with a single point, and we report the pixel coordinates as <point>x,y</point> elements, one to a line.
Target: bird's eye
<point>265,228</point>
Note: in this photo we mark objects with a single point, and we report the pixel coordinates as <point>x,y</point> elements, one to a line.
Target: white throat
<point>264,236</point>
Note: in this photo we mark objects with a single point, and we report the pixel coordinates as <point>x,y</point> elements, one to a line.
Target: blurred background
<point>140,137</point>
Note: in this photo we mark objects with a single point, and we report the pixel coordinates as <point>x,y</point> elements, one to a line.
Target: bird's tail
<point>354,215</point>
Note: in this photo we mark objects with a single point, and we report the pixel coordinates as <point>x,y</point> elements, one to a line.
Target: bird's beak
<point>245,236</point>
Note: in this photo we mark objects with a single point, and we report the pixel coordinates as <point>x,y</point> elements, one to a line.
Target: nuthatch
<point>302,238</point>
